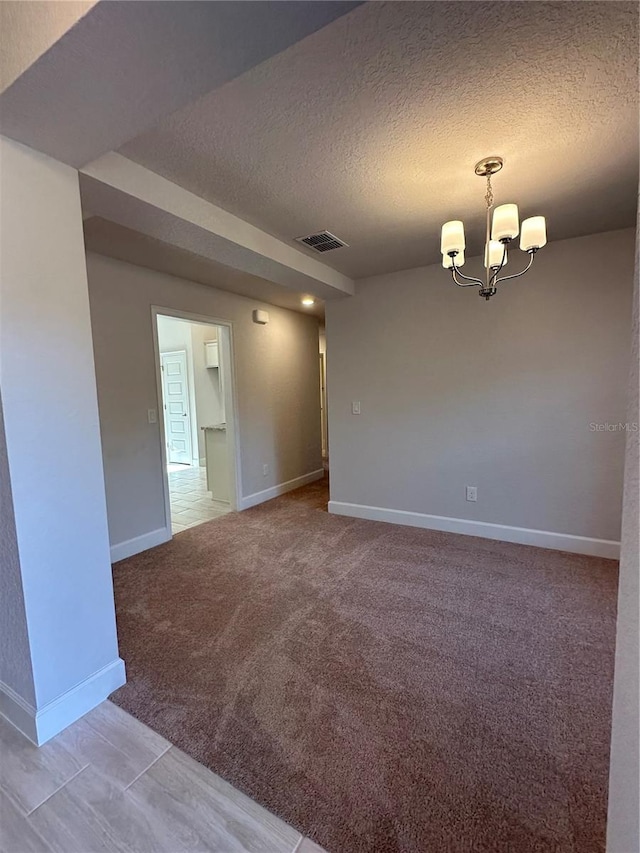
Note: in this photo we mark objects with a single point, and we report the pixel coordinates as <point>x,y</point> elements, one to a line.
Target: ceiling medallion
<point>499,234</point>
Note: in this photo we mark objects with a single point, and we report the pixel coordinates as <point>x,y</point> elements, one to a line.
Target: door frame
<point>230,403</point>
<point>324,421</point>
<point>190,407</point>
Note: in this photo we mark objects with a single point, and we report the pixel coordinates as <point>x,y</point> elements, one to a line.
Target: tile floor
<point>109,784</point>
<point>191,503</point>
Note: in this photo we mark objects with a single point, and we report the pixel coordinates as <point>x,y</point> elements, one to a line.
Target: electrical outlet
<point>355,407</point>
<point>152,416</point>
<point>472,493</point>
<point>265,470</point>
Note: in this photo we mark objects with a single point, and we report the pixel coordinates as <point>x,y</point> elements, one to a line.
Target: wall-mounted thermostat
<point>260,316</point>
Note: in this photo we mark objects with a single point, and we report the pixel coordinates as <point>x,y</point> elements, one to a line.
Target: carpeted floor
<point>382,688</point>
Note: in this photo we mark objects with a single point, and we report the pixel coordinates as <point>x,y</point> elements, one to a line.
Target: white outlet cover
<point>472,493</point>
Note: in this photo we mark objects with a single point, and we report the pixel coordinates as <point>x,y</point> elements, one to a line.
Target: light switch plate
<point>152,416</point>
<point>355,407</point>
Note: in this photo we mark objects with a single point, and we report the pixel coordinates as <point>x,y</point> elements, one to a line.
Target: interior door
<point>175,398</point>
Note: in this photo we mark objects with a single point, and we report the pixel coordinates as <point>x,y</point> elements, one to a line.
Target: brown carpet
<point>382,688</point>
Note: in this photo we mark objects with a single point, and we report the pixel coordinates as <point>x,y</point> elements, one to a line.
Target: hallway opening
<point>196,393</point>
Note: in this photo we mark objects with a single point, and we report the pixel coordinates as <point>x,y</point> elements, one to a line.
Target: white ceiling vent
<point>323,241</point>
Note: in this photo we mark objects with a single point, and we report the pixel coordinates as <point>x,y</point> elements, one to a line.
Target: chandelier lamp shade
<point>502,228</point>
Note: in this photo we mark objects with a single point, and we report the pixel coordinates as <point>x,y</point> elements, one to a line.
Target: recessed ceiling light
<point>308,300</point>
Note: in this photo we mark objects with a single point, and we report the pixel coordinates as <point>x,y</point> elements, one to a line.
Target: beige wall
<point>623,827</point>
<point>276,369</point>
<point>456,391</point>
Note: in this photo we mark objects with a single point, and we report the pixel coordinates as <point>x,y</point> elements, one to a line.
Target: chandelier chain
<point>489,194</point>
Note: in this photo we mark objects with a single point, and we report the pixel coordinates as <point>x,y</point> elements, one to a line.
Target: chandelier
<point>504,229</point>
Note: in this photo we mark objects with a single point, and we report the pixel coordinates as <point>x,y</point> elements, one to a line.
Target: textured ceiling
<point>370,127</point>
<point>124,65</point>
<point>33,27</point>
<point>125,244</point>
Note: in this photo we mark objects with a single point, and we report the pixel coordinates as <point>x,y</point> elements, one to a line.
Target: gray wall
<point>623,830</point>
<point>51,426</point>
<point>500,395</point>
<point>276,368</point>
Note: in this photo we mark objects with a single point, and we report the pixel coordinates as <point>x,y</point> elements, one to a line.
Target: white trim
<point>502,532</point>
<point>161,423</point>
<point>227,375</point>
<point>43,724</point>
<point>281,489</point>
<point>140,543</point>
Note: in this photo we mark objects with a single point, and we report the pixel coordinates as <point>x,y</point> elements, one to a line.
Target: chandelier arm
<point>494,278</point>
<point>518,274</point>
<point>456,269</point>
<point>474,282</point>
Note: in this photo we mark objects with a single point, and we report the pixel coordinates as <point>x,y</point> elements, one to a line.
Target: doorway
<point>197,401</point>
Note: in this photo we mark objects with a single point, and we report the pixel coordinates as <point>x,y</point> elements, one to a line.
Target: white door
<point>175,398</point>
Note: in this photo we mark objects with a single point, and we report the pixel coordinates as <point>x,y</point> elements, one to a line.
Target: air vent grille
<point>323,241</point>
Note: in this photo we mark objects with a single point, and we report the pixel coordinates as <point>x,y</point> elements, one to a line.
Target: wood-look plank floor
<point>109,784</point>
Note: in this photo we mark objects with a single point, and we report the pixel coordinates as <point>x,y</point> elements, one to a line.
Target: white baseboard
<point>140,543</point>
<point>281,489</point>
<point>41,724</point>
<point>502,532</point>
